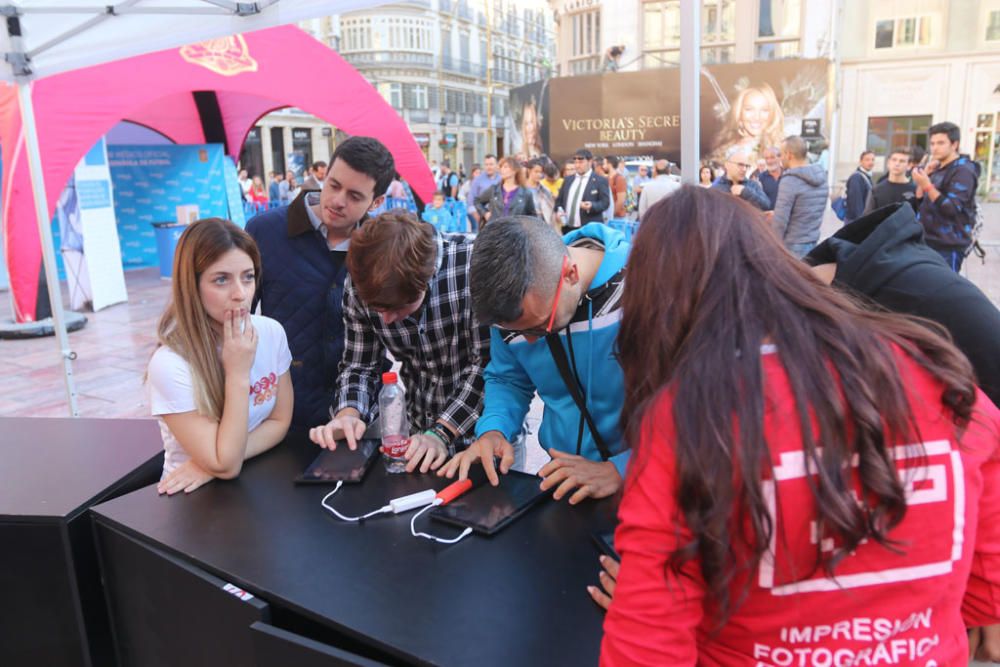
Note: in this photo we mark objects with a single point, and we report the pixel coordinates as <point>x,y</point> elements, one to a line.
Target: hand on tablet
<point>186,477</point>
<point>347,425</point>
<point>609,579</point>
<point>426,448</point>
<point>484,449</point>
<point>591,479</point>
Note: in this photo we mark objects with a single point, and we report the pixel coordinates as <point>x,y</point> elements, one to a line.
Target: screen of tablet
<point>341,464</point>
<point>487,508</point>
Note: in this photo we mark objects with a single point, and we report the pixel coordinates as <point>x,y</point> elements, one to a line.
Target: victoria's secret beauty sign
<point>638,113</point>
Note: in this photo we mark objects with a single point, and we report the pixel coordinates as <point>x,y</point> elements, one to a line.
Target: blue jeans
<point>800,250</point>
<point>953,258</point>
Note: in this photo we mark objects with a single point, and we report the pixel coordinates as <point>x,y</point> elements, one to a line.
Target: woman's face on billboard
<point>755,115</point>
<point>529,125</point>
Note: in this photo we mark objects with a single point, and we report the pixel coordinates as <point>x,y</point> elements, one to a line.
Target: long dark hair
<point>708,283</point>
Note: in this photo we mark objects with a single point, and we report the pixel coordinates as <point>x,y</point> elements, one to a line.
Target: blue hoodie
<point>518,368</point>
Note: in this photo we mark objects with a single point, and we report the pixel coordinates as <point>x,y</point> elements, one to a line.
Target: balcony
<point>460,66</point>
<point>389,59</point>
<point>418,116</point>
<point>507,76</point>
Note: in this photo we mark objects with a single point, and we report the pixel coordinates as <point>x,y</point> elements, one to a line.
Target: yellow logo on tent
<point>227,56</point>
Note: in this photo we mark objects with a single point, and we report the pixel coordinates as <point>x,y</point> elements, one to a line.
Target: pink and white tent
<point>240,78</point>
<point>69,82</point>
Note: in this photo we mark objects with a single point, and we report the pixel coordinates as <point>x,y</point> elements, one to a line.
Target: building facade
<point>901,65</point>
<point>908,65</point>
<point>445,65</point>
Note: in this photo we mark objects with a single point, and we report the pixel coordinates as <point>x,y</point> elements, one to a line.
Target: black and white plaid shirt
<point>442,348</point>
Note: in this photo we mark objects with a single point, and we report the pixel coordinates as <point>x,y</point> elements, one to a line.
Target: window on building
<point>908,31</point>
<point>395,97</point>
<point>585,55</point>
<point>888,132</point>
<point>778,28</point>
<point>993,26</point>
<point>463,47</point>
<point>661,32</point>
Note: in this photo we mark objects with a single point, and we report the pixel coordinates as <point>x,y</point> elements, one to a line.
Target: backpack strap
<point>573,385</point>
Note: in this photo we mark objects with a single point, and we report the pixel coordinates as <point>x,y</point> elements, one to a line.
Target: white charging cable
<point>396,505</point>
<point>413,529</point>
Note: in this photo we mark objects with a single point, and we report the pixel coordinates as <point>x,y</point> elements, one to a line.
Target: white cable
<point>413,529</point>
<point>381,510</point>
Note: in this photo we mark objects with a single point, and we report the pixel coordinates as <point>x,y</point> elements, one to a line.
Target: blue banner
<point>150,182</point>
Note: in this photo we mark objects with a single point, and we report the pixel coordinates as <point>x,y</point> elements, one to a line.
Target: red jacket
<point>884,608</point>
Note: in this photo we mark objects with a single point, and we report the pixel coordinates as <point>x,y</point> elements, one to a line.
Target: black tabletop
<point>56,467</point>
<point>516,598</point>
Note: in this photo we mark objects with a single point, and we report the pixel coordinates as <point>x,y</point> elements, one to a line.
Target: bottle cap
<point>389,378</point>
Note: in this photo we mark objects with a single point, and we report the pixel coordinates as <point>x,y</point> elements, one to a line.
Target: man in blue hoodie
<point>556,304</point>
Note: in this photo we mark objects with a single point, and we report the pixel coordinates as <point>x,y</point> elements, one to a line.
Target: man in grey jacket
<point>802,195</point>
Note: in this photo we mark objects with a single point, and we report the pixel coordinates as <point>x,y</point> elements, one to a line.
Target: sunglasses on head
<point>538,332</point>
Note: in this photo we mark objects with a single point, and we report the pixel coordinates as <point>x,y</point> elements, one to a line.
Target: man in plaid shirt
<point>408,295</point>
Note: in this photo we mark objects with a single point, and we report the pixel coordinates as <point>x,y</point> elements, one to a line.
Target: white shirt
<point>171,390</point>
<point>580,182</point>
<point>655,190</point>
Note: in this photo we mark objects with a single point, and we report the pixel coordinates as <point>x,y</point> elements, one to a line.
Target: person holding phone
<point>218,380</point>
<point>812,482</point>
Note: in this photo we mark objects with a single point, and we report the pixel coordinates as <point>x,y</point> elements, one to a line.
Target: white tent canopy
<point>60,35</point>
<point>41,38</point>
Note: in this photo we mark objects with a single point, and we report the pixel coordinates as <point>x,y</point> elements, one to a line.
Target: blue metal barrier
<point>626,227</point>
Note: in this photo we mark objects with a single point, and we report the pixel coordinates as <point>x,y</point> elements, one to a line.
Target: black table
<point>51,472</point>
<point>517,598</point>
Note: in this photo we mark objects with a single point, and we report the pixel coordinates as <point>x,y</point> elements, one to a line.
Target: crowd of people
<point>802,478</point>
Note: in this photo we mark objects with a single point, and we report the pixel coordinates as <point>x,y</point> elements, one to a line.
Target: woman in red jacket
<point>813,484</point>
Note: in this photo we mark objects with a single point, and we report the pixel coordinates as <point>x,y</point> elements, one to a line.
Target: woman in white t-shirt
<point>218,382</point>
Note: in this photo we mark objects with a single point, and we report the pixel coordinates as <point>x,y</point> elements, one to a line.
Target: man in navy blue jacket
<point>946,188</point>
<point>303,248</point>
<point>859,184</point>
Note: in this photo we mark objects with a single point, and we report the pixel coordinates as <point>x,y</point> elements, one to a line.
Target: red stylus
<point>452,491</point>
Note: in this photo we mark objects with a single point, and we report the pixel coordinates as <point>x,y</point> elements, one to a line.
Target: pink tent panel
<point>76,108</point>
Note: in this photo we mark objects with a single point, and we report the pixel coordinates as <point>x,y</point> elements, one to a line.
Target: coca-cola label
<point>395,446</point>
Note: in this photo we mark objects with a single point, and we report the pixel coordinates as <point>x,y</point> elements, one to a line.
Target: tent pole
<point>45,237</point>
<point>690,90</point>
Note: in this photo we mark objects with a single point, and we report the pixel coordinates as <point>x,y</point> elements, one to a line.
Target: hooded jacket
<point>883,256</point>
<point>948,222</point>
<point>518,368</point>
<point>798,210</point>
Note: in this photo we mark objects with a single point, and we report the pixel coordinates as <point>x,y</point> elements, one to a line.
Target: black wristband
<point>441,432</point>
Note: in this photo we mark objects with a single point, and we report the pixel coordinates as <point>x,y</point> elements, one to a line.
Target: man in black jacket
<point>584,196</point>
<point>883,256</point>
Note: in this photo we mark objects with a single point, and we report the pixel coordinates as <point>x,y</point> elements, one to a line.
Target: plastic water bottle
<point>395,423</point>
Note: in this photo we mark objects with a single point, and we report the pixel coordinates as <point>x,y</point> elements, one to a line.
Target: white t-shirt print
<point>171,389</point>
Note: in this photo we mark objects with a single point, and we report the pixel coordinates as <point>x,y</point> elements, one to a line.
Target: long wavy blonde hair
<point>185,327</point>
<point>733,132</point>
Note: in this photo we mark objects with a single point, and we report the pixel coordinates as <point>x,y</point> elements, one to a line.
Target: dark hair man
<point>317,174</point>
<point>533,284</point>
<point>408,294</point>
<point>584,196</point>
<point>303,249</point>
<point>896,186</point>
<point>801,201</point>
<point>946,189</point>
<point>859,184</point>
<point>617,183</point>
<point>448,180</point>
